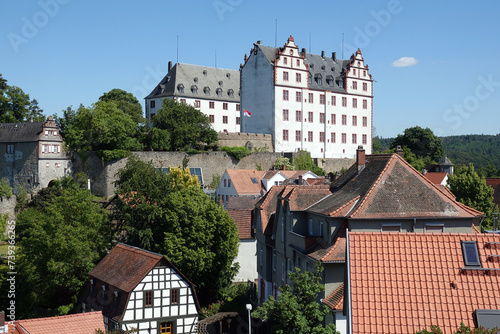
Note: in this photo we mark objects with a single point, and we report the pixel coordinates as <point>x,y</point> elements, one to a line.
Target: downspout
<point>348,268</point>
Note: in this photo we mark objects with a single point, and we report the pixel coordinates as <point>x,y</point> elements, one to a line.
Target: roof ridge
<point>60,316</point>
<point>345,205</point>
<point>139,250</point>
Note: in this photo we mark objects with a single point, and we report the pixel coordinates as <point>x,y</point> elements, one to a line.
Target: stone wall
<point>254,141</point>
<point>8,206</point>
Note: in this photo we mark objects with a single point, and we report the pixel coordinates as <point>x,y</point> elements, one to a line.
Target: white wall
<point>247,259</point>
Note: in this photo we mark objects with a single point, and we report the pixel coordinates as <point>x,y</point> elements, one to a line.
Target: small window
<point>152,104</point>
<point>148,298</point>
<point>180,88</point>
<point>254,180</point>
<point>194,89</point>
<point>174,296</point>
<point>471,254</point>
<point>167,327</point>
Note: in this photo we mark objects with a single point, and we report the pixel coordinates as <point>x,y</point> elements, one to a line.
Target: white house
<point>315,103</point>
<point>214,91</point>
<point>137,289</point>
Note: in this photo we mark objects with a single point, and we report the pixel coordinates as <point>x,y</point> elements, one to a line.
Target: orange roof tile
<point>436,177</point>
<point>335,300</point>
<point>242,180</point>
<point>405,282</point>
<point>81,323</point>
<point>240,209</point>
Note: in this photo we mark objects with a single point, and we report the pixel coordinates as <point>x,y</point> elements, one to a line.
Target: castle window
<point>180,88</point>
<point>230,93</point>
<point>219,92</point>
<point>194,89</point>
<point>10,149</point>
<point>206,90</point>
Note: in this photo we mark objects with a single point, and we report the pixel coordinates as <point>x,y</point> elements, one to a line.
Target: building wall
<point>255,141</point>
<point>247,259</point>
<point>450,225</point>
<point>147,320</point>
<point>21,167</point>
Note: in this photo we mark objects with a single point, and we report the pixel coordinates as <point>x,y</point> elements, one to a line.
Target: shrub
<point>237,152</point>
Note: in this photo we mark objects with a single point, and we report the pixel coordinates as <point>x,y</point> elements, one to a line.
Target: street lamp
<point>249,308</point>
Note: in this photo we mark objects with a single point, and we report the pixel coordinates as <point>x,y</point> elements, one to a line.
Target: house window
<point>197,103</point>
<point>285,114</point>
<point>174,296</point>
<point>334,119</point>
<point>283,272</point>
<point>365,121</point>
<point>297,135</point>
<point>285,95</point>
<point>391,228</point>
<point>333,137</point>
<point>10,149</point>
<point>238,121</point>
<point>152,104</point>
<point>225,182</point>
<point>365,104</point>
<point>229,182</point>
<point>354,120</point>
<point>285,76</point>
<point>148,298</point>
<point>224,119</point>
<point>298,62</point>
<point>354,85</point>
<point>274,260</point>
<point>238,107</point>
<point>354,71</point>
<point>298,115</point>
<point>354,103</point>
<point>344,138</point>
<point>322,137</point>
<point>311,97</point>
<point>334,100</point>
<point>364,140</point>
<point>310,116</point>
<point>211,104</point>
<point>322,118</point>
<point>212,118</point>
<point>434,228</point>
<point>322,99</point>
<point>183,101</point>
<point>470,253</point>
<point>365,87</point>
<point>285,135</point>
<point>224,106</point>
<point>344,102</point>
<point>354,138</point>
<point>344,119</point>
<point>167,327</point>
<point>298,76</point>
<point>364,73</point>
<point>310,136</point>
<point>285,60</point>
<point>298,96</point>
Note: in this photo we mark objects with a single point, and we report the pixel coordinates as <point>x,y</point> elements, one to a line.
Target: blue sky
<point>435,63</point>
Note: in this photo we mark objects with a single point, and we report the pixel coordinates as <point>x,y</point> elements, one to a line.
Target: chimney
<point>258,42</point>
<point>283,167</point>
<point>334,56</point>
<point>399,151</point>
<point>300,179</point>
<point>303,51</point>
<point>360,157</point>
<point>322,53</point>
<point>169,65</point>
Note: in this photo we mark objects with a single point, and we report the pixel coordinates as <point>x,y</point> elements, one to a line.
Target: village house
<point>141,290</point>
<point>81,323</point>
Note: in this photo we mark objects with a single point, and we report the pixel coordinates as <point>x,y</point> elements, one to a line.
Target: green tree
<point>14,105</point>
<point>303,161</point>
<point>470,189</point>
<point>126,102</point>
<point>5,188</point>
<point>35,112</point>
<point>461,330</point>
<point>170,214</point>
<point>297,310</point>
<point>283,161</point>
<point>3,82</point>
<point>422,142</point>
<point>59,242</point>
<point>189,128</point>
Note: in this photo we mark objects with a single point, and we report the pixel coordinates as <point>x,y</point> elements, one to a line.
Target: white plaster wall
<point>247,259</point>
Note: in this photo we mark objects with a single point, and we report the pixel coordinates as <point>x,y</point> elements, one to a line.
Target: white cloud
<point>405,62</point>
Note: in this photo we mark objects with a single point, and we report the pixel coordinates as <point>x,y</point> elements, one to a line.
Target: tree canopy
<point>422,142</point>
<point>303,161</point>
<point>188,127</point>
<point>296,310</point>
<point>470,189</point>
<point>170,214</point>
<point>126,102</point>
<point>15,105</point>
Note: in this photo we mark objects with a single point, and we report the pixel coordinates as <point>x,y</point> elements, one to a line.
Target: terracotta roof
<point>81,323</point>
<point>335,300</point>
<point>240,209</point>
<point>436,177</point>
<point>335,252</point>
<point>267,206</point>
<point>405,282</point>
<point>389,187</point>
<point>242,181</point>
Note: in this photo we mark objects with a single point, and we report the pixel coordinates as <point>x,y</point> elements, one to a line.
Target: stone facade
<point>253,141</point>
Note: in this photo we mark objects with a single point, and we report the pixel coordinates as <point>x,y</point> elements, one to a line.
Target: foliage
<point>157,139</point>
<point>422,142</point>
<point>215,181</point>
<point>377,146</point>
<point>69,115</point>
<point>14,105</point>
<point>209,310</point>
<point>237,152</point>
<point>59,242</point>
<point>434,330</point>
<point>470,189</point>
<point>461,330</point>
<point>110,155</point>
<point>282,161</point>
<point>5,188</point>
<point>188,127</point>
<point>233,299</point>
<point>35,112</point>
<point>296,310</point>
<point>303,161</point>
<point>126,102</point>
<point>170,214</point>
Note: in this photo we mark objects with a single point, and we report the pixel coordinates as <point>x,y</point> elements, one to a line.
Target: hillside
<point>481,150</point>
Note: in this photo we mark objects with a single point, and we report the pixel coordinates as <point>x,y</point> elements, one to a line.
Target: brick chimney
<point>360,157</point>
<point>399,151</point>
<point>283,167</point>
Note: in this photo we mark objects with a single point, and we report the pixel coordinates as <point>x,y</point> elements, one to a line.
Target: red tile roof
<point>436,177</point>
<point>81,323</point>
<point>240,209</point>
<point>242,181</point>
<point>404,282</point>
<point>335,300</point>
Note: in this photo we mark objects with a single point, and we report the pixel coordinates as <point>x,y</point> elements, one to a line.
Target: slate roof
<point>240,209</point>
<point>405,282</point>
<point>388,187</point>
<point>20,132</point>
<point>242,181</point>
<point>81,323</point>
<point>200,76</point>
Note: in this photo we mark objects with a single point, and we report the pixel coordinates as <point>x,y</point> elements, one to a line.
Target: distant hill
<point>481,150</point>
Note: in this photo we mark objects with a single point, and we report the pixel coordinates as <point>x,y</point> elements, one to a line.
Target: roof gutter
<point>348,268</point>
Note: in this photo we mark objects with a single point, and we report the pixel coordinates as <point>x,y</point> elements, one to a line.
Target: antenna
<point>342,45</point>
<point>177,48</point>
<point>215,58</point>
<point>276,32</point>
<point>310,49</point>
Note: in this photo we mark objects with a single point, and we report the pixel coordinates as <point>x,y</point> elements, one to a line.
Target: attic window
<point>254,180</point>
<point>180,88</point>
<point>220,83</point>
<point>228,75</point>
<point>318,78</point>
<point>195,80</point>
<point>471,254</point>
<point>219,92</point>
<point>148,298</point>
<point>160,90</point>
<point>311,66</point>
<point>205,72</point>
<point>168,78</point>
<point>329,80</point>
<point>206,90</point>
<point>194,89</point>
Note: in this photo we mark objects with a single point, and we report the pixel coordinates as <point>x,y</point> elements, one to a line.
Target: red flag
<point>247,113</point>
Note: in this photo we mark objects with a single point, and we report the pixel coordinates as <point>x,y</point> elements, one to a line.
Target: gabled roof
<point>200,76</point>
<point>300,197</point>
<point>240,209</point>
<point>81,323</point>
<point>388,187</point>
<point>405,282</point>
<point>436,177</point>
<point>267,206</point>
<point>243,183</point>
<point>25,132</point>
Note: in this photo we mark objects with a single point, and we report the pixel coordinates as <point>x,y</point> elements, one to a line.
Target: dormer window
<point>206,90</point>
<point>195,80</point>
<point>230,93</point>
<point>194,89</point>
<point>228,75</point>
<point>220,83</point>
<point>205,72</point>
<point>219,92</point>
<point>471,254</point>
<point>180,88</point>
<point>329,80</point>
<point>159,91</point>
<point>318,79</point>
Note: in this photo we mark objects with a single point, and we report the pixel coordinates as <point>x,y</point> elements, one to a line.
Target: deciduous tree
<point>422,142</point>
